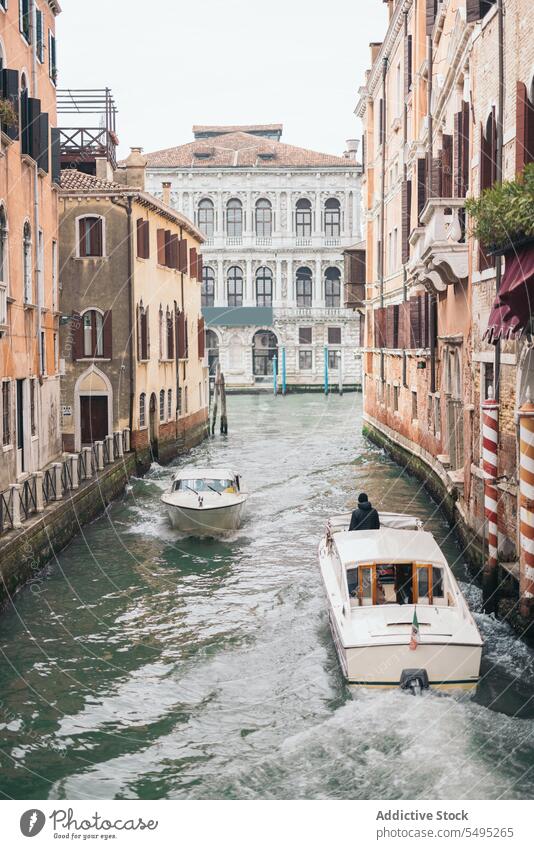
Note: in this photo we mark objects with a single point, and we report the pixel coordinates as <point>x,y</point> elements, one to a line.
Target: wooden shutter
<point>43,158</point>
<point>95,237</point>
<point>200,265</point>
<point>183,256</point>
<point>421,187</point>
<point>10,92</point>
<point>146,239</point>
<point>31,137</point>
<point>161,246</point>
<point>521,140</point>
<point>55,143</point>
<point>380,327</point>
<point>415,322</point>
<point>389,326</point>
<point>168,249</point>
<point>425,320</point>
<point>446,169</point>
<point>107,335</point>
<point>193,273</point>
<point>140,238</point>
<point>201,339</point>
<point>181,336</point>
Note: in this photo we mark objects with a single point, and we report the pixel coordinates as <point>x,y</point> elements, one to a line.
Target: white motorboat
<point>205,502</point>
<point>397,615</point>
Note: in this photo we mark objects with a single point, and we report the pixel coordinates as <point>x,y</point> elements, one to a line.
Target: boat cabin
<point>391,567</point>
<point>203,481</point>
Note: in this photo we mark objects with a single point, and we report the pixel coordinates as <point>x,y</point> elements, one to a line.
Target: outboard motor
<point>414,680</point>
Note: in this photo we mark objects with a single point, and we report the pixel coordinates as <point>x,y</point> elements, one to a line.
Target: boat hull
<point>448,665</point>
<point>205,521</point>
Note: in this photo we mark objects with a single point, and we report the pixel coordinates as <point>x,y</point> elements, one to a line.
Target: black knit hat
<point>362,497</point>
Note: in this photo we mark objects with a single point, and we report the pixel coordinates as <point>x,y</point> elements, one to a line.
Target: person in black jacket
<point>365,517</point>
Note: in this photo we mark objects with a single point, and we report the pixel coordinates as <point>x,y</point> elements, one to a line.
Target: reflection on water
<point>148,666</point>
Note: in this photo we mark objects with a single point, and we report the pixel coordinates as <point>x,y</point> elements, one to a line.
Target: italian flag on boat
<point>414,639</point>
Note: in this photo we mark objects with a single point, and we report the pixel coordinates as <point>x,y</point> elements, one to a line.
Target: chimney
<point>352,148</point>
<point>375,50</point>
<point>135,168</point>
<point>166,193</point>
<point>103,169</point>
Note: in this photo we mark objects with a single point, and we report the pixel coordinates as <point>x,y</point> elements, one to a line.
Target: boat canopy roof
<point>388,546</point>
<point>190,473</point>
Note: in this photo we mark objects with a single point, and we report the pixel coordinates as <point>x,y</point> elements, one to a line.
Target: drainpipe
<point>383,200</point>
<point>432,310</point>
<point>499,169</point>
<point>37,211</point>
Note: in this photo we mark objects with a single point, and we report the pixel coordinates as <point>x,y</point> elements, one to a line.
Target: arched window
<point>169,404</point>
<point>162,405</point>
<point>332,218</point>
<point>303,218</point>
<point>90,236</point>
<point>143,335</point>
<point>3,248</point>
<point>27,261</point>
<point>93,334</point>
<point>212,347</point>
<point>264,287</point>
<point>264,219</point>
<point>332,287</point>
<point>304,287</point>
<point>206,217</point>
<point>234,218</point>
<point>235,286</point>
<point>208,286</point>
<point>142,410</point>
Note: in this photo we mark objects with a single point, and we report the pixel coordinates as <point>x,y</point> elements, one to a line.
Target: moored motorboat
<point>205,502</point>
<point>397,615</point>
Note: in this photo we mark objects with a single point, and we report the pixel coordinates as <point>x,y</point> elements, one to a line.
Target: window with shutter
<point>193,263</point>
<point>39,35</point>
<point>415,322</point>
<point>140,229</point>
<point>24,19</point>
<point>201,339</point>
<point>52,65</point>
<point>161,246</point>
<point>43,159</point>
<point>107,333</point>
<point>10,91</point>
<point>183,253</point>
<point>90,236</point>
<point>421,186</point>
<point>446,168</point>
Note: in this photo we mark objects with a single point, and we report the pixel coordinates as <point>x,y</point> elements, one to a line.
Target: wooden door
<point>94,418</point>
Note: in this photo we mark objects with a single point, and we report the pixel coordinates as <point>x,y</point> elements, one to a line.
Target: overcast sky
<point>172,64</point>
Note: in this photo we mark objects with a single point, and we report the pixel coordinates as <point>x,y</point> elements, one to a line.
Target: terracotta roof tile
<point>77,181</point>
<point>242,150</point>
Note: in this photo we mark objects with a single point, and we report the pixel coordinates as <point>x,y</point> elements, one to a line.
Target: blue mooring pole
<point>283,371</point>
<point>326,370</point>
<point>275,375</point>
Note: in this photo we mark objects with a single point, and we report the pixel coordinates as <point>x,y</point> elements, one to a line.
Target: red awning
<point>514,305</point>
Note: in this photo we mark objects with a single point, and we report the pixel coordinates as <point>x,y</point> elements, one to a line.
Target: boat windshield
<point>205,485</point>
<point>397,583</point>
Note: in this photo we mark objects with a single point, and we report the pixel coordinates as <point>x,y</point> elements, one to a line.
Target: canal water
<point>145,666</point>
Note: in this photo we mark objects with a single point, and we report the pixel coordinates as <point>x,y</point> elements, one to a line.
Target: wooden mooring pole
<point>224,420</point>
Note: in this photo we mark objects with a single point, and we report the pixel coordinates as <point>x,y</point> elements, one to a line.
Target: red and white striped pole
<point>490,446</point>
<point>526,507</point>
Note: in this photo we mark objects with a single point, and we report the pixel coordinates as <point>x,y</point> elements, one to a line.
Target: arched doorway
<point>153,425</point>
<point>264,350</point>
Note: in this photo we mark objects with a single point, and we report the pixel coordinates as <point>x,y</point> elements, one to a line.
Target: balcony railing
<point>439,256</point>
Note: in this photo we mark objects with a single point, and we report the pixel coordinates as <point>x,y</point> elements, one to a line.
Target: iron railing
<point>87,466</point>
<point>49,485</point>
<point>6,510</point>
<point>28,498</point>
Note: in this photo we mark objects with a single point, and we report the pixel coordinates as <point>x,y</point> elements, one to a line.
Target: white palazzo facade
<point>277,219</point>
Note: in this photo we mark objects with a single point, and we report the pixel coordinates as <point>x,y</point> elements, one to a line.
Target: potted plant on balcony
<point>502,218</point>
<point>8,115</point>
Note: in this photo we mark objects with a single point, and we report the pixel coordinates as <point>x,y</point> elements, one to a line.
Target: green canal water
<point>145,666</point>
